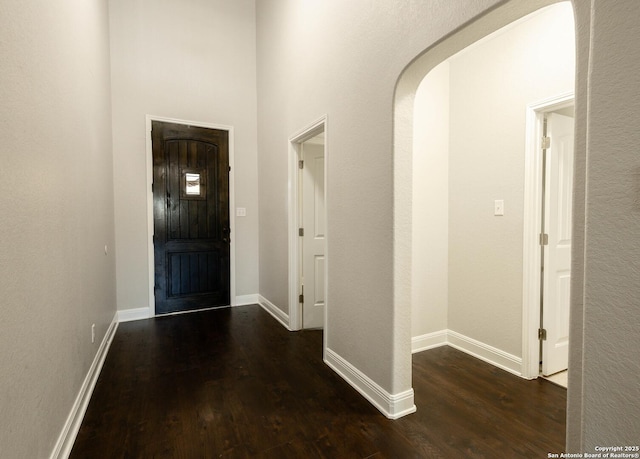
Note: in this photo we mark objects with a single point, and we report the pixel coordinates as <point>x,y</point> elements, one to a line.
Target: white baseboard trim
<point>67,437</point>
<point>489,354</point>
<point>480,350</point>
<point>275,311</point>
<point>393,406</point>
<point>428,341</point>
<point>244,300</point>
<point>127,315</point>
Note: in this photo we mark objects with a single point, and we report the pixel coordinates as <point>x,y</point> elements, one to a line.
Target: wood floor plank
<point>234,383</point>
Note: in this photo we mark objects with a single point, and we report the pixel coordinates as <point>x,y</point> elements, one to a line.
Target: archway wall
<point>431,204</point>
<point>603,392</point>
<point>343,59</point>
<point>468,150</point>
<point>474,307</point>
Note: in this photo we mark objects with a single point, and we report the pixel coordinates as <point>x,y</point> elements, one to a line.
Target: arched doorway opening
<point>507,351</point>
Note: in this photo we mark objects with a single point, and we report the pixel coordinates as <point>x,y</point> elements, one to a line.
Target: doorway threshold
<point>560,378</point>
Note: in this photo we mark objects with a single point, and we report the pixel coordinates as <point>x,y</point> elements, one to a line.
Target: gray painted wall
<point>192,61</point>
<point>55,279</point>
<point>56,213</point>
<point>343,59</point>
<point>611,302</point>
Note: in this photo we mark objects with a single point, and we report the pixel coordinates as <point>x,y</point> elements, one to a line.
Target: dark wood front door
<point>191,217</point>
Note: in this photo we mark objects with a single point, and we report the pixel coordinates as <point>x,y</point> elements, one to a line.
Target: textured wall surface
<point>192,61</point>
<point>611,363</point>
<point>343,59</point>
<point>56,213</point>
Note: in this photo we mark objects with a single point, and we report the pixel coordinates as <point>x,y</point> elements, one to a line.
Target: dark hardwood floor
<point>234,383</point>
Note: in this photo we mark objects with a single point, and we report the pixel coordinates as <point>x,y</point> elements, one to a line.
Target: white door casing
<point>316,132</point>
<point>557,253</point>
<point>534,206</point>
<point>313,239</point>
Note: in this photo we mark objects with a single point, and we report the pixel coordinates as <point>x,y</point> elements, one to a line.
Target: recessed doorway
<point>472,225</point>
<point>547,236</point>
<point>308,229</point>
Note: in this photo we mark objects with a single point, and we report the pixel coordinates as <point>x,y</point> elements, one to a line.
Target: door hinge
<point>301,164</point>
<point>152,187</point>
<point>546,143</point>
<point>301,298</point>
<point>544,239</point>
<point>542,334</point>
<point>301,232</point>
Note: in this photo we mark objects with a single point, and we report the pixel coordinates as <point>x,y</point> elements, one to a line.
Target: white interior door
<point>557,253</point>
<point>313,240</point>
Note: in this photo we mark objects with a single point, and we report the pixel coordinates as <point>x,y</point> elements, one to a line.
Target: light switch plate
<point>241,212</point>
<point>498,207</point>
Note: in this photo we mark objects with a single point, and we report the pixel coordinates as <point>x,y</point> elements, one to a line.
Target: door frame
<point>532,223</point>
<point>232,224</point>
<point>295,252</point>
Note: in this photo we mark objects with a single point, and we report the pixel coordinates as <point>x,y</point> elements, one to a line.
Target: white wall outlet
<point>498,207</point>
<point>93,333</point>
<point>241,212</point>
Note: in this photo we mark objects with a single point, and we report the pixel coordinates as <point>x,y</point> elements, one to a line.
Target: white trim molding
<point>295,142</point>
<point>128,315</point>
<point>67,437</point>
<point>492,355</point>
<point>428,341</point>
<point>393,406</point>
<point>532,223</point>
<point>275,311</point>
<point>245,300</point>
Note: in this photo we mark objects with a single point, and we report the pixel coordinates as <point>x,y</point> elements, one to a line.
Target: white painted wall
<point>430,270</point>
<point>192,60</point>
<point>56,213</point>
<point>478,292</point>
<point>491,86</point>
